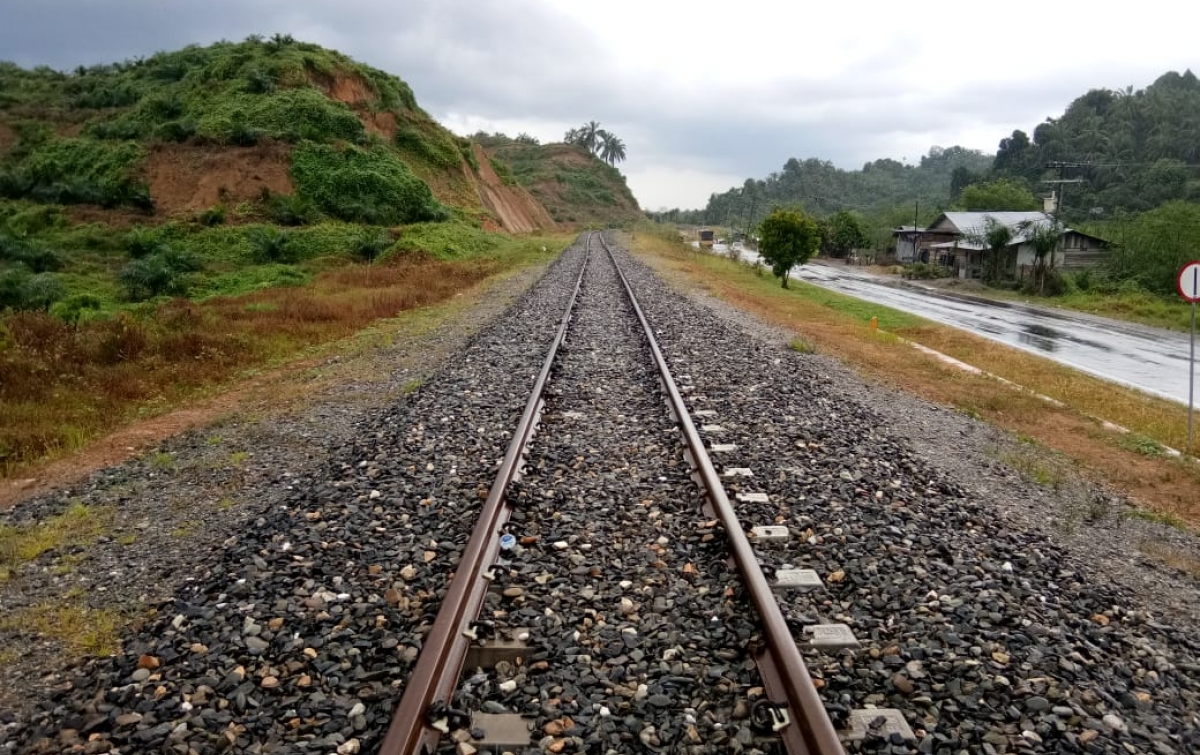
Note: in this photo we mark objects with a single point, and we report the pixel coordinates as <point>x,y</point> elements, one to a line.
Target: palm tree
<point>590,135</point>
<point>612,149</point>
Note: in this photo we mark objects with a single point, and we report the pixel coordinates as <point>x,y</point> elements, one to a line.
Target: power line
<point>1064,164</point>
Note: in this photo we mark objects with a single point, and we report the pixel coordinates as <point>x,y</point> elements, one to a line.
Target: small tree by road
<point>847,233</point>
<point>997,237</point>
<point>788,238</point>
<point>1044,239</point>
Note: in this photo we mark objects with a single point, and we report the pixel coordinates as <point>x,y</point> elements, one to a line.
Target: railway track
<point>615,620</point>
<point>613,353</point>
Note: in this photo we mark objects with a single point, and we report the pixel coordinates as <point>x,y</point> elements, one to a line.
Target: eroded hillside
<point>572,184</point>
<point>229,129</point>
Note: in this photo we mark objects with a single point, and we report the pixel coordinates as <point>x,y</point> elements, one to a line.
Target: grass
<point>81,630</point>
<point>21,543</point>
<point>840,327</point>
<point>801,346</point>
<point>1158,518</point>
<point>1140,444</point>
<point>1032,464</point>
<point>61,386</point>
<point>1135,306</point>
<point>185,529</point>
<point>1171,556</point>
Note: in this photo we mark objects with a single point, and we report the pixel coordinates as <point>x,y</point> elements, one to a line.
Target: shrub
<point>241,133</point>
<point>371,243</point>
<point>105,93</point>
<point>259,81</point>
<point>121,339</point>
<point>142,242</point>
<point>176,131</point>
<point>445,240</point>
<point>41,260</point>
<point>429,141</point>
<point>269,244</point>
<point>503,172</point>
<point>159,274</point>
<point>12,288</point>
<point>38,259</point>
<point>289,209</point>
<point>1054,285</point>
<point>926,271</point>
<point>117,129</point>
<point>73,308</point>
<point>42,290</point>
<point>21,291</point>
<point>34,219</point>
<point>212,216</point>
<point>67,171</point>
<point>368,186</point>
<point>288,114</point>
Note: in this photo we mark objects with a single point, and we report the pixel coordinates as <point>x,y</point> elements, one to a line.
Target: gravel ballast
<point>295,630</point>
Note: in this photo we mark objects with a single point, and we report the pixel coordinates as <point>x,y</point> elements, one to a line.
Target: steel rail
<point>440,663</point>
<point>811,731</point>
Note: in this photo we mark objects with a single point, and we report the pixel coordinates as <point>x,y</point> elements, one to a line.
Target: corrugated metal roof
<point>976,223</point>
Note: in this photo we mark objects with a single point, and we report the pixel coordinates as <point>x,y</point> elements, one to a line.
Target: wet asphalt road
<point>1150,359</point>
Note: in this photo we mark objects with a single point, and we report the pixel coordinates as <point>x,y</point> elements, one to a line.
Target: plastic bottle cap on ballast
<point>507,542</point>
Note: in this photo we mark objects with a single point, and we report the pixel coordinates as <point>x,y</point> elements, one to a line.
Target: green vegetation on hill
<point>885,193</point>
<point>367,186</point>
<point>573,184</point>
<point>226,94</point>
<point>882,188</point>
<point>1131,150</point>
<point>168,222</point>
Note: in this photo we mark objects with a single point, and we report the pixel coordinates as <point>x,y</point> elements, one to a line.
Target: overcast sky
<point>704,94</point>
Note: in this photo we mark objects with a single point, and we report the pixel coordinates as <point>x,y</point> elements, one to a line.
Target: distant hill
<point>1128,150</point>
<point>881,188</point>
<point>1123,151</point>
<point>273,127</point>
<point>571,183</point>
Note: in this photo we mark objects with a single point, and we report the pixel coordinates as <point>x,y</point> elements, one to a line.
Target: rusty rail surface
<point>439,666</point>
<point>785,676</point>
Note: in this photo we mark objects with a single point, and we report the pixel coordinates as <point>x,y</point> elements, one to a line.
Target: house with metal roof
<point>957,240</point>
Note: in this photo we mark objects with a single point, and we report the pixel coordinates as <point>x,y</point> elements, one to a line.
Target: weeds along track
<point>615,621</point>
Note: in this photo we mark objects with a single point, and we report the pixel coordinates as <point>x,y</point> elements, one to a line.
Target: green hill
<point>570,182</point>
<point>278,124</point>
<point>885,190</point>
<point>1126,150</point>
<point>166,222</point>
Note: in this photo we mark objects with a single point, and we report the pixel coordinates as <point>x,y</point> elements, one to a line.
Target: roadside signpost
<point>1189,288</point>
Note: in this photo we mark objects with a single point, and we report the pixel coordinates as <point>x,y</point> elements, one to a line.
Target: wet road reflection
<point>1150,359</point>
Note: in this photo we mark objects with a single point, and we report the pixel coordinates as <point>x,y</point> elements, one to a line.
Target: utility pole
<point>1060,182</point>
<point>750,220</point>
